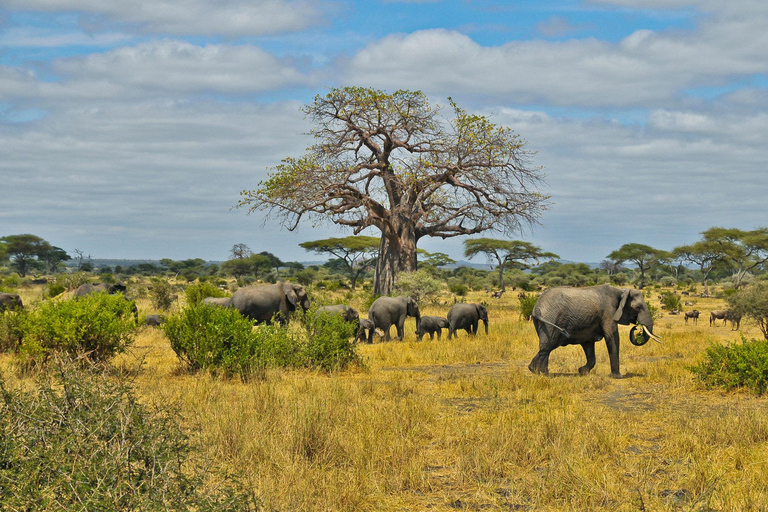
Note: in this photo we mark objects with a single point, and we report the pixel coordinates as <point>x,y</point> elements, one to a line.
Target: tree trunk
<point>397,253</point>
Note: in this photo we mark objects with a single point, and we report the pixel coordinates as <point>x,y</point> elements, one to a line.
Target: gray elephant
<point>467,317</point>
<point>223,302</point>
<point>363,328</point>
<point>262,303</point>
<point>10,301</point>
<point>386,311</point>
<point>87,289</point>
<point>349,314</point>
<point>584,316</point>
<point>154,320</point>
<point>431,325</point>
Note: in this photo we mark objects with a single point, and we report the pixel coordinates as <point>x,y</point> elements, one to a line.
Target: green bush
<point>11,329</point>
<point>420,285</point>
<point>95,327</point>
<point>220,340</point>
<point>81,441</point>
<point>671,301</point>
<point>456,287</point>
<point>527,303</point>
<point>731,366</point>
<point>161,294</point>
<point>195,293</point>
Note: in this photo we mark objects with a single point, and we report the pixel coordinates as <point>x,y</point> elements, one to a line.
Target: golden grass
<point>463,424</point>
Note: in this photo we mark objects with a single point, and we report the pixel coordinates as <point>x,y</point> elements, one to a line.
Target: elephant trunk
<point>485,322</point>
<point>647,335</point>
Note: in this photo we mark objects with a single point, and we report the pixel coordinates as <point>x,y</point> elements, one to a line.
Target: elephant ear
<point>290,294</point>
<point>620,310</point>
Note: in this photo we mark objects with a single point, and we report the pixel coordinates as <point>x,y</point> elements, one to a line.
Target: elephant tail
<point>565,333</point>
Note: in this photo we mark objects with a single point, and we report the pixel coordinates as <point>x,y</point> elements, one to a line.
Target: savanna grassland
<point>463,425</point>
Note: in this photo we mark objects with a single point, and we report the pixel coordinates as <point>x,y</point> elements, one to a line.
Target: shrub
<point>222,341</point>
<point>161,294</point>
<point>55,288</point>
<point>420,285</point>
<point>527,303</point>
<point>11,329</point>
<point>735,366</point>
<point>456,287</point>
<point>82,441</point>
<point>656,313</point>
<point>752,302</point>
<point>668,281</point>
<point>671,301</point>
<point>195,293</point>
<point>95,327</point>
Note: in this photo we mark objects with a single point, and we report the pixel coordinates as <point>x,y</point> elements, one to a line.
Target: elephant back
<point>260,302</point>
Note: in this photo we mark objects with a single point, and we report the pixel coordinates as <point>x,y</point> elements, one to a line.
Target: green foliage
<point>220,340</point>
<point>753,303</point>
<point>12,324</point>
<point>55,288</point>
<point>420,285</point>
<point>456,287</point>
<point>671,301</point>
<point>743,365</point>
<point>81,441</point>
<point>161,294</point>
<point>527,303</point>
<point>95,327</point>
<point>656,312</point>
<point>196,292</point>
<point>668,281</point>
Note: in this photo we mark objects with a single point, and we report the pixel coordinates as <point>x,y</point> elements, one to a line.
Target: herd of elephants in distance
<point>562,316</point>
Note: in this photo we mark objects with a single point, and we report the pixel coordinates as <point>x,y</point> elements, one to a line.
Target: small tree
<point>752,301</point>
<point>420,285</point>
<point>645,257</point>
<point>706,254</point>
<point>358,253</point>
<point>240,251</point>
<point>24,250</point>
<point>507,253</point>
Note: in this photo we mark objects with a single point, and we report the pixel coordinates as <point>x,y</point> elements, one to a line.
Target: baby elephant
<point>431,325</point>
<point>363,329</point>
<point>467,317</point>
<point>348,313</point>
<point>692,314</point>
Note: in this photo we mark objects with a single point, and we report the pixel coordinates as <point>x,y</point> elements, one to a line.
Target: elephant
<point>363,328</point>
<point>10,301</point>
<point>154,320</point>
<point>224,302</point>
<point>87,289</point>
<point>467,317</point>
<point>584,316</point>
<point>262,303</point>
<point>349,314</point>
<point>386,311</point>
<point>431,325</point>
<point>692,314</point>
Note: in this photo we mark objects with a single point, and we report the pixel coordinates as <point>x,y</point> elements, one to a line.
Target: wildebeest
<point>497,294</point>
<point>154,320</point>
<point>718,314</point>
<point>692,314</point>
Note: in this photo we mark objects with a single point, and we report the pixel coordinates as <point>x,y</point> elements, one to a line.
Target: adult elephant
<point>222,302</point>
<point>88,288</point>
<point>349,314</point>
<point>262,303</point>
<point>10,301</point>
<point>467,317</point>
<point>386,311</point>
<point>584,316</point>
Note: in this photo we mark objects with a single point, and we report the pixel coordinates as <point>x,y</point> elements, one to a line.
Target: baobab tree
<point>393,162</point>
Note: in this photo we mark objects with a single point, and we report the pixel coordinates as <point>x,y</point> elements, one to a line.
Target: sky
<point>129,129</point>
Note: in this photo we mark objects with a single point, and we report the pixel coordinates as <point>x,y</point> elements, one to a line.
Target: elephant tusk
<point>651,335</point>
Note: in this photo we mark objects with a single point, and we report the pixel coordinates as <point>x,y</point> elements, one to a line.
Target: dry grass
<point>463,425</point>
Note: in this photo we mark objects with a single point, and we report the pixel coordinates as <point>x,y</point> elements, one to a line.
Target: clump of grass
<point>161,294</point>
<point>731,366</point>
<point>527,303</point>
<point>82,441</point>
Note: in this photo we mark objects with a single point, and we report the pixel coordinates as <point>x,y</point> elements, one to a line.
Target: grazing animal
<point>260,303</point>
<point>467,317</point>
<point>348,313</point>
<point>735,320</point>
<point>88,288</point>
<point>431,325</point>
<point>692,314</point>
<point>584,316</point>
<point>10,301</point>
<point>497,294</point>
<point>718,314</point>
<point>154,320</point>
<point>386,311</point>
<point>222,302</point>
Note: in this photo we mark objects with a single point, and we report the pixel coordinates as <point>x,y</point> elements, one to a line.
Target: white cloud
<point>181,68</point>
<point>38,38</point>
<point>193,17</point>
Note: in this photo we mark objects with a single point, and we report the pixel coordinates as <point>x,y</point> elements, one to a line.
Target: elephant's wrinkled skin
<point>87,289</point>
<point>431,325</point>
<point>386,311</point>
<point>349,314</point>
<point>584,316</point>
<point>224,302</point>
<point>260,303</point>
<point>10,301</point>
<point>467,317</point>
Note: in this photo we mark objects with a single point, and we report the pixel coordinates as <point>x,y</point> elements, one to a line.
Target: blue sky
<point>128,129</point>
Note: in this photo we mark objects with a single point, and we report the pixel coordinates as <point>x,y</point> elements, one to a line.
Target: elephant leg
<point>589,351</point>
<point>474,328</point>
<point>400,330</point>
<point>432,336</point>
<point>439,332</point>
<point>387,336</point>
<point>612,343</point>
<point>540,362</point>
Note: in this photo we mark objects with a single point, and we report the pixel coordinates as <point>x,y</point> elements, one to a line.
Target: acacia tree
<point>358,253</point>
<point>392,161</point>
<point>644,256</point>
<point>515,253</point>
<point>706,254</point>
<point>24,250</point>
<point>742,250</point>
